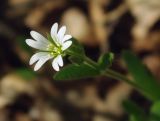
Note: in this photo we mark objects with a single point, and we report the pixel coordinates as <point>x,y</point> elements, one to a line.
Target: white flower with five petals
<point>51,48</point>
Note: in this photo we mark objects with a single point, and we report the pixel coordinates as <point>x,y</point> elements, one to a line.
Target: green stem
<point>115,75</point>
<point>110,73</point>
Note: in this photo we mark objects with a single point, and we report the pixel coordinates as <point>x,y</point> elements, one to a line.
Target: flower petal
<point>54,29</point>
<point>36,57</point>
<point>41,61</point>
<point>59,60</point>
<point>61,33</point>
<point>56,40</point>
<point>66,45</point>
<point>55,64</point>
<point>66,37</point>
<point>39,37</point>
<point>36,44</point>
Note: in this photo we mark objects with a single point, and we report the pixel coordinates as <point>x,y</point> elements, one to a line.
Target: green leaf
<point>76,48</point>
<point>156,108</point>
<point>73,71</point>
<point>136,113</point>
<point>105,60</point>
<point>142,77</point>
<point>154,117</point>
<point>155,111</point>
<point>26,73</point>
<point>76,60</point>
<point>133,118</point>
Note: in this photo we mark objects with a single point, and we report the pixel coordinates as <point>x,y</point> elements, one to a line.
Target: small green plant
<point>59,45</point>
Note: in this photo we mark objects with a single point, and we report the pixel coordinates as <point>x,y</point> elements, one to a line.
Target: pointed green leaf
<point>142,77</point>
<point>73,71</point>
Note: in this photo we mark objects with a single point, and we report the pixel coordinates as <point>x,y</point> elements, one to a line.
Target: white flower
<point>51,48</point>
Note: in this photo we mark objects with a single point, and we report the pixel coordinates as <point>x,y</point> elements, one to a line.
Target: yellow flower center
<point>54,50</point>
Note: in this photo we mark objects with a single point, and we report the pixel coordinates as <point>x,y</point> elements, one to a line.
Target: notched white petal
<point>61,33</point>
<point>41,61</point>
<point>37,56</point>
<point>38,37</point>
<point>66,37</point>
<point>36,44</point>
<point>55,65</point>
<point>66,45</point>
<point>54,29</point>
<point>60,60</point>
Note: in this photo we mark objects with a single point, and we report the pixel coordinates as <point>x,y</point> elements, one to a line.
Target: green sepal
<point>51,40</point>
<point>76,49</point>
<point>105,60</point>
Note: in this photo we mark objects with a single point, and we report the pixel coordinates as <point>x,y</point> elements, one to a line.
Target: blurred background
<point>101,26</point>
